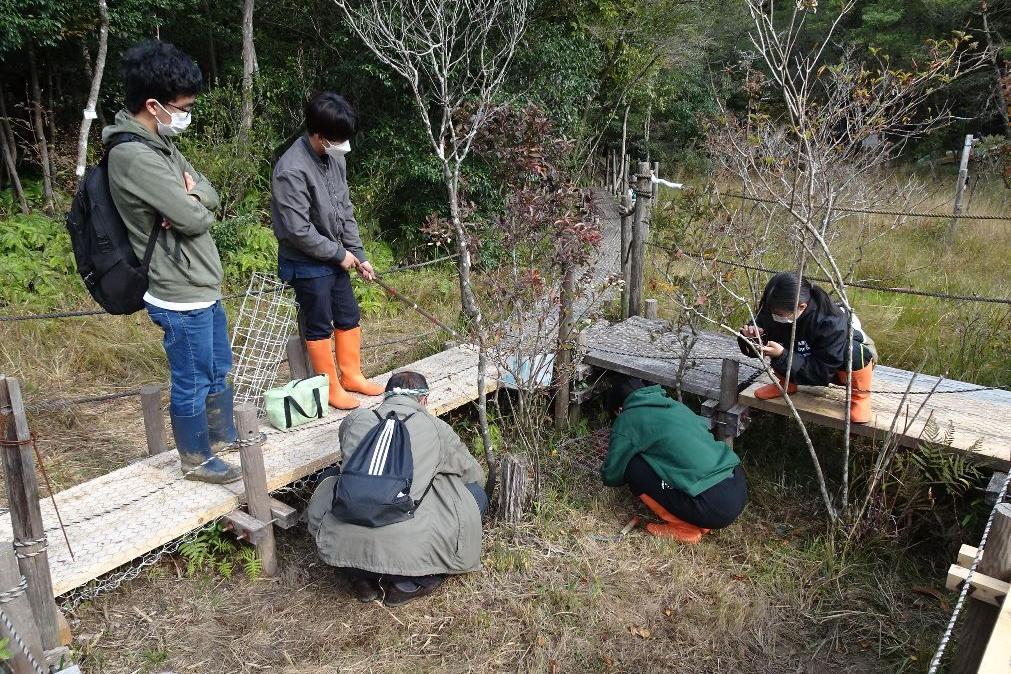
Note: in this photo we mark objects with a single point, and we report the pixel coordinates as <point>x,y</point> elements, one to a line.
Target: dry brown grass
<point>559,593</point>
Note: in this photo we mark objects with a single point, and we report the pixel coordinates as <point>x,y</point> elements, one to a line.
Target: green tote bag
<point>297,402</point>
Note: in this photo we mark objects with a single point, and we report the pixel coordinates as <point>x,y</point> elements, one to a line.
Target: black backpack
<point>373,488</point>
<point>105,259</point>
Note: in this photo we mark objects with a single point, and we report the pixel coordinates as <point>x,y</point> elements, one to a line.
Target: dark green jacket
<point>673,440</point>
<point>147,185</point>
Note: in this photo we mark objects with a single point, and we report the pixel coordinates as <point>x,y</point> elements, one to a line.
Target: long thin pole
<point>396,294</point>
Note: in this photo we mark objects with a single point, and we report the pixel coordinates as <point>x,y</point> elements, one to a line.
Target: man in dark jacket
<point>667,456</point>
<point>319,244</point>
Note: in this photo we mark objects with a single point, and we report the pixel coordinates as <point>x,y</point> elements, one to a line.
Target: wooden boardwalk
<point>649,349</point>
<point>125,514</point>
<point>120,516</point>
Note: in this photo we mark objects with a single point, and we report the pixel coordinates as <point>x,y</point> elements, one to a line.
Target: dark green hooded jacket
<point>673,440</point>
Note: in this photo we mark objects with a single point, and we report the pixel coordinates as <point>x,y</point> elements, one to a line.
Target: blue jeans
<point>199,354</point>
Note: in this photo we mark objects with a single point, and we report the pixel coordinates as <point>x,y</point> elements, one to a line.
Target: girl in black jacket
<point>820,346</point>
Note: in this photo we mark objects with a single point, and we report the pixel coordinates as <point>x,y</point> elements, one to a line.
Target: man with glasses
<point>164,201</point>
<point>319,244</point>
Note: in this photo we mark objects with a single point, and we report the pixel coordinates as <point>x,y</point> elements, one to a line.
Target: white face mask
<point>782,319</point>
<point>180,120</point>
<point>336,150</point>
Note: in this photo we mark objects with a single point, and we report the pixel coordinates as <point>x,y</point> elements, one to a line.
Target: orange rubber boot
<point>348,345</point>
<point>860,403</point>
<point>673,527</point>
<point>770,391</point>
<point>322,363</point>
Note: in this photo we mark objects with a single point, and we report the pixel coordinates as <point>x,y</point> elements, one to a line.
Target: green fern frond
<point>251,564</point>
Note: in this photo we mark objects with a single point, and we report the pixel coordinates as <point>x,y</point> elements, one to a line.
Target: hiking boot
<point>365,589</point>
<point>770,391</point>
<point>348,347</point>
<point>221,420</point>
<point>403,591</point>
<point>193,444</point>
<point>321,358</point>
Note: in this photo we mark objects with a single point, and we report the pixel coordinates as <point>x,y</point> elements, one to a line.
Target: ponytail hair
<point>787,289</point>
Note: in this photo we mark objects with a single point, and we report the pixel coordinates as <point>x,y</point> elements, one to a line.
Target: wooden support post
<point>626,252</point>
<point>298,358</point>
<point>575,404</point>
<point>19,612</point>
<point>563,355</point>
<point>26,515</point>
<point>650,310</point>
<point>993,488</point>
<point>963,179</point>
<point>997,656</point>
<point>640,233</point>
<point>980,617</point>
<point>728,398</point>
<point>655,186</point>
<point>254,478</point>
<point>154,419</point>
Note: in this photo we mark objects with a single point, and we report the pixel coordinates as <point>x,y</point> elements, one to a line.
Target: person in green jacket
<point>667,456</point>
<point>158,193</point>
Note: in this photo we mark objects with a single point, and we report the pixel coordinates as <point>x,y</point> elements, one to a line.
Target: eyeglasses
<point>187,109</point>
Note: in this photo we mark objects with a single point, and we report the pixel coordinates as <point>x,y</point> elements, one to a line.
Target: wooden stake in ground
<point>626,251</point>
<point>640,232</point>
<point>15,605</point>
<point>963,179</point>
<point>728,398</point>
<point>26,516</point>
<point>981,617</point>
<point>254,477</point>
<point>154,419</point>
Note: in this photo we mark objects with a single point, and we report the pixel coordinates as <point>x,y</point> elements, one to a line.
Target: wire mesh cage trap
<point>266,320</point>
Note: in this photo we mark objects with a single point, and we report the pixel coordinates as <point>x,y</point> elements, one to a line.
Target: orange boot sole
<point>672,527</point>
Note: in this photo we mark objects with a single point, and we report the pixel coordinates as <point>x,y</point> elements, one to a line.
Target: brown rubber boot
<point>322,363</point>
<point>673,527</point>
<point>770,391</point>
<point>348,345</point>
<point>860,403</point>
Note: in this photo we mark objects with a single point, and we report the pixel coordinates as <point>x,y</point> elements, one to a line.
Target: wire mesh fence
<point>266,319</point>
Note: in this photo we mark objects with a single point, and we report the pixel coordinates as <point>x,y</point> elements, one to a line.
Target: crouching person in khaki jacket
<point>408,559</point>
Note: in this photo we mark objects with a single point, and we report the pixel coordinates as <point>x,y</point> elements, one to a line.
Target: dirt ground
<point>558,593</point>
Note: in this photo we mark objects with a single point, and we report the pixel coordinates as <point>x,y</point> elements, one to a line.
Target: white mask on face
<point>336,150</point>
<point>782,319</point>
<point>180,120</point>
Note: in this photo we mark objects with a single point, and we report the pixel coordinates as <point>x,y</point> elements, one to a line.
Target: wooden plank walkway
<point>122,515</point>
<point>127,513</point>
<point>649,349</point>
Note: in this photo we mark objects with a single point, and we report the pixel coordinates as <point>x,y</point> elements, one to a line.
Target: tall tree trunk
<point>40,134</point>
<point>12,170</point>
<point>473,312</point>
<point>563,356</point>
<point>1002,102</point>
<point>212,51</point>
<point>50,113</point>
<point>96,85</point>
<point>624,138</point>
<point>248,70</point>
